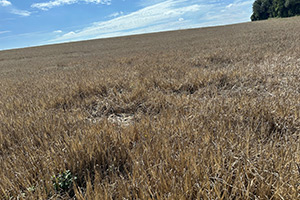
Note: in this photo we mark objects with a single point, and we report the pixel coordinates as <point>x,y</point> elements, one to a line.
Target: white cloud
<point>23,13</point>
<point>239,3</point>
<point>2,32</point>
<point>159,14</point>
<point>57,31</point>
<point>229,6</point>
<point>70,34</point>
<point>55,3</point>
<point>11,9</point>
<point>5,3</point>
<point>239,11</point>
<point>116,14</point>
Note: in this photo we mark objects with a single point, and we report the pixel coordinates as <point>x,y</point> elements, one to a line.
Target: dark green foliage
<point>264,9</point>
<point>63,182</point>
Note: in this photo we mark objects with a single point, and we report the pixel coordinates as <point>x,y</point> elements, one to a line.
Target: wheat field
<point>210,113</point>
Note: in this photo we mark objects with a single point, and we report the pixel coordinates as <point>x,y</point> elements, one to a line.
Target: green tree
<point>261,10</point>
<point>256,10</point>
<point>293,7</point>
<point>264,9</point>
<point>280,9</point>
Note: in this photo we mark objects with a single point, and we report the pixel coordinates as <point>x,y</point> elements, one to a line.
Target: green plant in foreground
<point>63,181</point>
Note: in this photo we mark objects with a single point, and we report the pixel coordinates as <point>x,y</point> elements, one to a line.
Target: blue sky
<point>39,22</point>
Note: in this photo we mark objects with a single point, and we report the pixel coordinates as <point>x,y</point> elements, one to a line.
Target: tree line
<point>264,9</point>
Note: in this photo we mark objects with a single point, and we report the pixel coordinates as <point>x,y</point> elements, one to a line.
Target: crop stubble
<point>208,113</point>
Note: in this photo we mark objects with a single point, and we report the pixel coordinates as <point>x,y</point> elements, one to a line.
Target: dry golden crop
<point>211,113</point>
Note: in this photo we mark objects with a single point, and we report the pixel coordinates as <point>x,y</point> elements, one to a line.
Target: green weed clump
<point>63,182</point>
